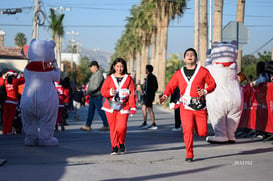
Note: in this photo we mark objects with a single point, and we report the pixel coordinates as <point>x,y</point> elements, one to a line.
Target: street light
<point>72,43</point>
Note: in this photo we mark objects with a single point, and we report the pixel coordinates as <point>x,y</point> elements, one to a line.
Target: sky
<point>100,23</point>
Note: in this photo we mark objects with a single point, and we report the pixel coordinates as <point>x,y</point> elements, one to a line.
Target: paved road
<point>151,155</point>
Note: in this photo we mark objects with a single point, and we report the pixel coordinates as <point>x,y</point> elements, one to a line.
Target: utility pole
<point>72,45</point>
<point>59,57</point>
<point>36,20</point>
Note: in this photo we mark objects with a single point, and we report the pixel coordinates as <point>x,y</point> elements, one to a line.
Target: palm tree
<point>20,40</point>
<point>203,31</point>
<point>218,17</point>
<point>167,10</point>
<point>240,18</point>
<point>148,27</point>
<point>57,29</point>
<point>196,25</point>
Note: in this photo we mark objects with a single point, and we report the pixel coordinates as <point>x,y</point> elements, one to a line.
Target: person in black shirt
<point>175,98</point>
<point>78,101</point>
<point>149,89</point>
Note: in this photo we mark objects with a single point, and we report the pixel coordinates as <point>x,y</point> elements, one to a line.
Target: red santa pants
<point>193,119</point>
<point>60,115</point>
<point>118,126</point>
<point>9,111</point>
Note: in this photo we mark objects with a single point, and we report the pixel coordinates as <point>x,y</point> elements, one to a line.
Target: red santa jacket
<point>12,89</point>
<point>126,83</point>
<point>60,92</point>
<point>200,78</point>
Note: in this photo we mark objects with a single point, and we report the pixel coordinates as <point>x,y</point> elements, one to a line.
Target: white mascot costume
<point>39,102</point>
<point>225,103</point>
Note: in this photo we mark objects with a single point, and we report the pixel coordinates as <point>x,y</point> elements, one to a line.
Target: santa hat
<point>11,72</point>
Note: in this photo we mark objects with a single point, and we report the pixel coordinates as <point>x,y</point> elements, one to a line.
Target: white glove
<point>54,64</point>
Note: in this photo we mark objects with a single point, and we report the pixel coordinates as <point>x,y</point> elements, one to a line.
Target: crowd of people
<point>116,96</point>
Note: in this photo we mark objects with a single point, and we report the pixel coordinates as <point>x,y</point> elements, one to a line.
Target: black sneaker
<point>122,148</point>
<point>114,150</point>
<point>144,125</point>
<point>189,160</point>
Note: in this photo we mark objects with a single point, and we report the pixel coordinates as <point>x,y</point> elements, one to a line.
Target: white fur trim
<point>171,105</point>
<point>111,92</point>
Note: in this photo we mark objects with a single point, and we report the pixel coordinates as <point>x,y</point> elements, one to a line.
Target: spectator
<point>262,75</point>
<point>269,70</point>
<point>138,92</point>
<point>149,90</point>
<point>95,101</point>
<point>78,101</point>
<point>66,93</point>
<point>243,80</point>
<point>60,120</point>
<point>175,99</point>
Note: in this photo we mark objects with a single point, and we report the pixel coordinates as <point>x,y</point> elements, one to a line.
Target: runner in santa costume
<point>60,91</point>
<point>225,103</point>
<point>9,106</point>
<point>119,91</point>
<point>191,80</point>
<point>39,102</point>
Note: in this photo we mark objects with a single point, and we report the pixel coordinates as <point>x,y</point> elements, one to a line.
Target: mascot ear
<point>214,44</point>
<point>233,42</point>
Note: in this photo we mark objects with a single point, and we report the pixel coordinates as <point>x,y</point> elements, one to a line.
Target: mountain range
<point>102,57</point>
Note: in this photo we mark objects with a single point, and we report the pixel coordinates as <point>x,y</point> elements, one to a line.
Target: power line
<point>118,26</point>
<point>266,43</point>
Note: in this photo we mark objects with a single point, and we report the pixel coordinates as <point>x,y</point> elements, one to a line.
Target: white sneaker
<point>216,139</point>
<point>176,129</point>
<point>153,127</point>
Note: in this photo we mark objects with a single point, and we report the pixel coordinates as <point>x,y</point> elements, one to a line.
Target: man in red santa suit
<point>191,80</point>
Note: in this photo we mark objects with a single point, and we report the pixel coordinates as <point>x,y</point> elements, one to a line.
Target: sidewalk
<point>150,155</point>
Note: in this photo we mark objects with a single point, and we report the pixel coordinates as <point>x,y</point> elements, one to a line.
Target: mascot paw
<point>31,142</point>
<point>49,142</point>
<point>216,139</point>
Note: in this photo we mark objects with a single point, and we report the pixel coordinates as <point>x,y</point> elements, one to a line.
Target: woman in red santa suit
<point>119,91</point>
<point>9,106</point>
<point>191,80</point>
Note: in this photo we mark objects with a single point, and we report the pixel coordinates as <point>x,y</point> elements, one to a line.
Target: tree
<point>173,64</point>
<point>147,30</point>
<point>20,40</point>
<point>83,72</point>
<point>265,56</point>
<point>203,31</point>
<point>196,25</point>
<point>56,25</point>
<point>240,18</point>
<point>249,62</point>
<point>218,17</point>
